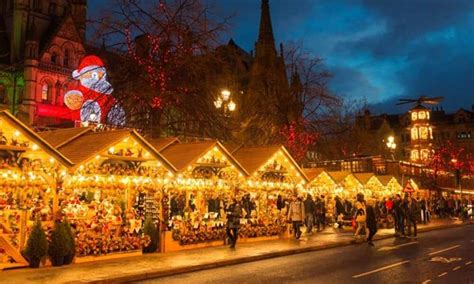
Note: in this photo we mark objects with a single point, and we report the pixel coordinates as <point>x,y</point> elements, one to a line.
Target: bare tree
<point>163,78</point>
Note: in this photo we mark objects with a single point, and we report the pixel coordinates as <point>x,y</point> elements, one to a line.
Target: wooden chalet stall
<point>116,182</point>
<point>29,170</point>
<point>208,177</point>
<point>274,177</point>
<point>390,184</point>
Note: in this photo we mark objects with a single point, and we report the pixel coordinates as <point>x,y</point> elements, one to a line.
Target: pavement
<point>444,256</point>
<point>160,265</point>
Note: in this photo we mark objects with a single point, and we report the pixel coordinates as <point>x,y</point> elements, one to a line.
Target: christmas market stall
<point>116,182</point>
<point>372,188</point>
<point>208,177</point>
<point>274,179</point>
<point>320,183</point>
<point>390,184</point>
<point>29,170</point>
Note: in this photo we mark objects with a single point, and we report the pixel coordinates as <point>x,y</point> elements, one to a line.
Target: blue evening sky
<point>378,50</point>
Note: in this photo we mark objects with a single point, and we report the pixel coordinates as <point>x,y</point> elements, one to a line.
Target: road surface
<point>442,256</point>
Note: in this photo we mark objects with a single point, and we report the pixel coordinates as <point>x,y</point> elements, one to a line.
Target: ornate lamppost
<point>225,102</point>
<point>391,145</point>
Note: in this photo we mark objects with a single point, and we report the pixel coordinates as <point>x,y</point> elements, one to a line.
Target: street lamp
<point>225,102</point>
<point>391,145</point>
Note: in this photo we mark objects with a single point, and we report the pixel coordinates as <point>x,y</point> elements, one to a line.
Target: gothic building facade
<point>41,42</point>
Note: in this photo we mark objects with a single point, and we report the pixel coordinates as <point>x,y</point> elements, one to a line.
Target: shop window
<point>414,133</point>
<point>414,116</point>
<point>46,92</point>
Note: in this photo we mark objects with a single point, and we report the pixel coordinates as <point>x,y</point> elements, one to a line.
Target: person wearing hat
<point>92,100</point>
<point>234,212</point>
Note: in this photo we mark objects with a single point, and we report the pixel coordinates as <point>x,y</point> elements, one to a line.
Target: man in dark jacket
<point>412,215</point>
<point>234,212</point>
<point>371,221</point>
<point>399,216</point>
<point>319,213</point>
<point>309,212</point>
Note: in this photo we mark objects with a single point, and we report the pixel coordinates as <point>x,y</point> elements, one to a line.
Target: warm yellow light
<point>111,150</point>
<point>51,160</point>
<point>158,164</point>
<point>225,95</point>
<point>34,147</point>
<point>97,157</point>
<point>147,154</point>
<point>16,133</point>
<point>232,106</point>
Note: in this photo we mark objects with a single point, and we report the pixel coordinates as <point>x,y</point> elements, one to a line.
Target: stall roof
<point>363,177</point>
<point>161,143</point>
<point>385,179</point>
<point>252,158</point>
<point>37,139</point>
<point>59,137</point>
<point>185,154</point>
<point>84,147</point>
<point>312,173</point>
<point>339,176</point>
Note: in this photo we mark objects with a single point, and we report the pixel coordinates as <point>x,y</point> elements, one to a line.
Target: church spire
<point>265,45</point>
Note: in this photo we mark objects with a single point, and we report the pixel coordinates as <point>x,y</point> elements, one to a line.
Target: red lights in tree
<point>297,139</point>
<point>448,158</point>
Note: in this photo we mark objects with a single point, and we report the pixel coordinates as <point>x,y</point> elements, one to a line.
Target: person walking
<point>398,214</point>
<point>412,215</point>
<point>296,215</point>
<point>360,215</point>
<point>309,212</point>
<point>234,212</point>
<point>318,212</point>
<point>371,221</point>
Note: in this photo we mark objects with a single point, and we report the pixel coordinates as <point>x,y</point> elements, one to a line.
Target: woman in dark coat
<point>371,221</point>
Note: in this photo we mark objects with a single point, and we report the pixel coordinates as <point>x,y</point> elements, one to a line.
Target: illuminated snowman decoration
<point>92,100</point>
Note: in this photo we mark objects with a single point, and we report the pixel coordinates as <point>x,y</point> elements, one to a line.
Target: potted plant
<point>58,245</point>
<point>37,245</point>
<point>150,230</point>
<point>71,243</point>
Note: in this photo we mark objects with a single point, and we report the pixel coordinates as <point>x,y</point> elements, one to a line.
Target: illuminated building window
<point>414,133</point>
<point>421,115</point>
<point>463,135</point>
<point>431,132</point>
<point>414,155</point>
<point>414,115</point>
<point>425,153</point>
<point>427,115</point>
<point>423,133</point>
<point>45,92</point>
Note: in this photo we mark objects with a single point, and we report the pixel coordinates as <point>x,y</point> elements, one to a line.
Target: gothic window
<point>414,116</point>
<point>414,155</point>
<point>54,58</point>
<point>36,5</point>
<point>52,8</point>
<point>67,57</point>
<point>3,94</point>
<point>46,92</point>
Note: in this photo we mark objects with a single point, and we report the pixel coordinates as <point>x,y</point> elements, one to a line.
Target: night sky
<point>379,50</point>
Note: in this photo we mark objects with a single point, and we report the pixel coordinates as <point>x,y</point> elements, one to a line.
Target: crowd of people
<point>403,213</point>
